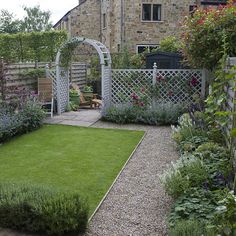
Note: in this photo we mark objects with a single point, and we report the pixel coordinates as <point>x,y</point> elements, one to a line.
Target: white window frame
<point>161,20</point>
<point>147,46</point>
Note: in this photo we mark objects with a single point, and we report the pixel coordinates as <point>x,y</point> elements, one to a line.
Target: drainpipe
<point>122,24</point>
<point>100,36</point>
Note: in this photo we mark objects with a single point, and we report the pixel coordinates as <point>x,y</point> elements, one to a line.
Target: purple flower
<point>194,82</point>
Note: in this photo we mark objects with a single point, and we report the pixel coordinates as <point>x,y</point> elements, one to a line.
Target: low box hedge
<point>161,114</point>
<point>37,209</point>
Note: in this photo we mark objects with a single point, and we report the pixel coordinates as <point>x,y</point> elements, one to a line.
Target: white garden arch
<point>61,75</point>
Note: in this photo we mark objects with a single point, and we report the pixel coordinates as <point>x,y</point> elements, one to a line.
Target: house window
<point>151,12</point>
<point>146,48</point>
<point>104,21</point>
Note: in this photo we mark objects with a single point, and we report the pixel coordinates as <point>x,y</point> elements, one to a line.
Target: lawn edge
<point>115,180</point>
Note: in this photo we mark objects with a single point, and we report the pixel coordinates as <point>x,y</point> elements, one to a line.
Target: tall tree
<point>8,24</point>
<point>36,19</point>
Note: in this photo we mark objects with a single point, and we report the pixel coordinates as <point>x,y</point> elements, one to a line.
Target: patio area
<point>83,117</point>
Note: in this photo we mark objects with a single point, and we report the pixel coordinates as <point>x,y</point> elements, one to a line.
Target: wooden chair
<point>45,94</point>
<point>90,102</point>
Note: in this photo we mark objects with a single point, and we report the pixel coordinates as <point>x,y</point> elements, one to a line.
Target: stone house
<point>137,24</point>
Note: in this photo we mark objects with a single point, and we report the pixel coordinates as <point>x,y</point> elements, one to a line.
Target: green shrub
<point>189,171</point>
<point>160,114</point>
<point>32,73</point>
<point>187,133</point>
<point>203,36</point>
<point>74,100</point>
<point>29,117</point>
<point>170,44</point>
<point>32,46</point>
<point>32,116</point>
<point>208,149</point>
<point>196,204</point>
<point>175,183</point>
<point>216,158</point>
<point>185,130</point>
<point>216,136</point>
<point>191,143</point>
<point>37,209</point>
<point>225,216</point>
<point>191,227</point>
<point>120,114</point>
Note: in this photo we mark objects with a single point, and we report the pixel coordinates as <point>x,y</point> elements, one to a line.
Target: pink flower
<point>200,22</point>
<point>194,82</point>
<point>170,93</point>
<point>159,78</point>
<point>134,96</point>
<point>142,89</point>
<point>33,93</point>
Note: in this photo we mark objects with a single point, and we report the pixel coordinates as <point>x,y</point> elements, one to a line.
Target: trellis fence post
<point>47,74</point>
<point>154,81</point>
<point>203,82</point>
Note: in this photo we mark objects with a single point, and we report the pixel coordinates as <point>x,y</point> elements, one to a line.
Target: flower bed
<point>20,119</point>
<point>201,182</point>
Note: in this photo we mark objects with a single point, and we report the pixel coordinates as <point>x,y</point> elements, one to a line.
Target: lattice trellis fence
<point>127,82</point>
<point>180,85</point>
<point>62,87</point>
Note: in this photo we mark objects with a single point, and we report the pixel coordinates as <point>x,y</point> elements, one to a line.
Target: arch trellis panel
<point>61,75</point>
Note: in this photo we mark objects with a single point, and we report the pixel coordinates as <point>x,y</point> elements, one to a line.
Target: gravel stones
<point>137,204</point>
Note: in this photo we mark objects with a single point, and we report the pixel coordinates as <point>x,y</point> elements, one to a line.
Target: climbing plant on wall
<point>203,34</point>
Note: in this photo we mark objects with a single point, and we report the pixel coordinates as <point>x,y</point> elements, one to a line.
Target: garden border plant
<point>210,201</point>
<point>200,183</point>
<point>203,32</point>
<point>38,209</point>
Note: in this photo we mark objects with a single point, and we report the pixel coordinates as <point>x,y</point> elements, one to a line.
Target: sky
<point>57,8</point>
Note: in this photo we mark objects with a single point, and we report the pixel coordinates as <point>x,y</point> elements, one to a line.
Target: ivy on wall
<point>34,46</point>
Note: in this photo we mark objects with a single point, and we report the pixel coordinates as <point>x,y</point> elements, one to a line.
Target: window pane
<point>104,23</point>
<point>156,12</point>
<point>153,48</point>
<point>141,49</point>
<point>146,12</point>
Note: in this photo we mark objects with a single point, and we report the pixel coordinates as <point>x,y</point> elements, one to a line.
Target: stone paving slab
<point>76,123</point>
<point>84,117</point>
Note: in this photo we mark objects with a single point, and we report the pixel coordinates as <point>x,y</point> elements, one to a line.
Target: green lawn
<point>69,158</point>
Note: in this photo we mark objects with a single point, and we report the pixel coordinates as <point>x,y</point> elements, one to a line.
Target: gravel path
<point>137,204</point>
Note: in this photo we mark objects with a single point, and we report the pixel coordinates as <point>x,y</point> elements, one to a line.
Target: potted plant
<point>74,99</point>
<point>88,92</point>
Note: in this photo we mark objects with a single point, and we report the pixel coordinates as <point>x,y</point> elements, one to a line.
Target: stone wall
<point>84,20</point>
<point>137,31</point>
<point>125,27</point>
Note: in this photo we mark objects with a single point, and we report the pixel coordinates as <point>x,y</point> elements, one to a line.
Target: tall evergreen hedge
<point>33,46</point>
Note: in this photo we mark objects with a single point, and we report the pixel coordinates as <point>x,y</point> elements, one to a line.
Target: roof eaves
<point>68,13</point>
